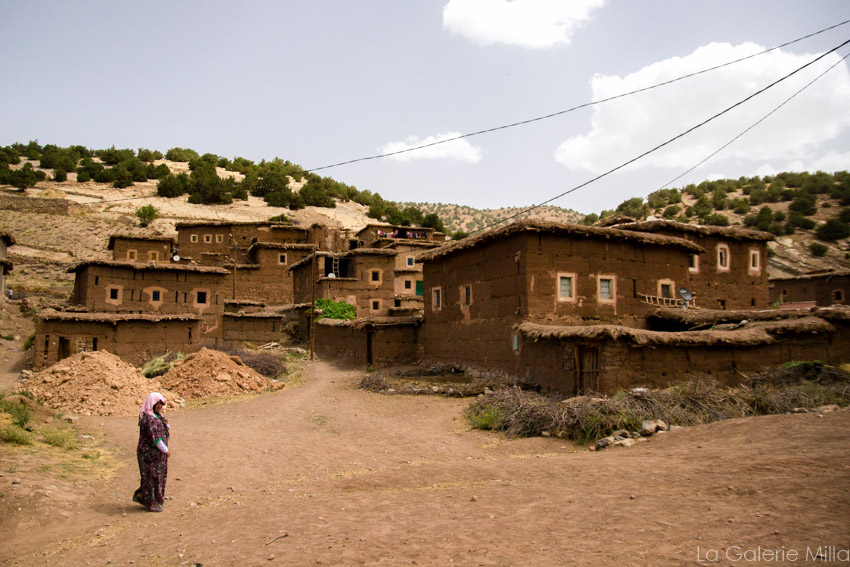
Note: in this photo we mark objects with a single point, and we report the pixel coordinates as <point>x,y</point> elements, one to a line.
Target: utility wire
<point>671,140</point>
<point>568,110</point>
<point>762,119</point>
<point>554,114</point>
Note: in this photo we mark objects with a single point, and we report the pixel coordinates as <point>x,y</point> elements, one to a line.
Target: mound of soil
<point>95,383</point>
<point>211,373</point>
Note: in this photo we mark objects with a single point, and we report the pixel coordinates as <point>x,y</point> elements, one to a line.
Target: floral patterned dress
<point>153,464</point>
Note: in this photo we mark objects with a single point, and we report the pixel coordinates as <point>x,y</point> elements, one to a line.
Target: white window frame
<point>695,268</point>
<point>668,282</point>
<point>153,256</point>
<point>281,259</point>
<point>436,299</point>
<point>208,238</point>
<point>219,238</point>
<point>132,255</point>
<point>410,261</point>
<point>573,281</point>
<point>721,248</point>
<point>372,303</point>
<point>193,238</point>
<point>755,255</point>
<point>612,289</point>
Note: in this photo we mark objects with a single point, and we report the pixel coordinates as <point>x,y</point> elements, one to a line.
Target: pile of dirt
<point>211,373</point>
<point>95,383</point>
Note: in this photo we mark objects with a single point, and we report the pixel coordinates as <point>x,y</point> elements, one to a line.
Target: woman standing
<point>152,453</point>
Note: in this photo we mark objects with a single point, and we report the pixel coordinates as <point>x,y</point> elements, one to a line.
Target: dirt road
<point>323,473</point>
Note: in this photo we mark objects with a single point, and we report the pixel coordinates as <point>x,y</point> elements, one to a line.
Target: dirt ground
<point>322,473</point>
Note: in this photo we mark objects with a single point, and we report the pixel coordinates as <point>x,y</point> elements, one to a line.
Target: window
<point>376,304</point>
<point>693,263</point>
<point>606,291</point>
<point>408,284</point>
<point>219,238</point>
<point>566,287</point>
<point>755,261</point>
<point>281,259</point>
<point>838,295</point>
<point>193,238</point>
<point>131,254</point>
<point>436,299</point>
<point>784,292</point>
<point>410,261</point>
<point>156,295</point>
<point>207,238</point>
<point>201,297</point>
<point>666,291</point>
<point>375,275</point>
<point>466,294</point>
<point>722,258</point>
<point>153,256</point>
<point>113,293</point>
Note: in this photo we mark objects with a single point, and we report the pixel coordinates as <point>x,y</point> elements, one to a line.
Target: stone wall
<point>39,206</point>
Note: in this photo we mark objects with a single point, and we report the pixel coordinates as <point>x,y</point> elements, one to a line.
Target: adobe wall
<point>515,279</point>
<point>135,342</point>
<point>254,329</point>
<point>360,291</point>
<point>209,240</point>
<point>134,289</point>
<point>551,363</point>
<point>635,269</point>
<point>270,281</point>
<point>739,287</point>
<point>824,291</point>
<point>390,345</point>
<point>142,249</point>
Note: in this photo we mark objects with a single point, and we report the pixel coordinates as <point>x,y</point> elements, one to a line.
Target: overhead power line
<point>574,108</point>
<point>671,140</point>
<point>754,124</point>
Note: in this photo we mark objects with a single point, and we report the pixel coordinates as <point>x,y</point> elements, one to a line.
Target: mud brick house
<point>363,277</point>
<point>479,289</point>
<point>134,337</point>
<point>606,358</point>
<point>214,243</point>
<point>732,271</point>
<point>164,289</point>
<point>141,249</point>
<point>384,235</point>
<point>370,340</point>
<point>807,290</point>
<point>6,240</point>
<point>267,277</point>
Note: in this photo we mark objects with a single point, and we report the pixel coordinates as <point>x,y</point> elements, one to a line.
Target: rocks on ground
<point>210,373</point>
<point>95,383</point>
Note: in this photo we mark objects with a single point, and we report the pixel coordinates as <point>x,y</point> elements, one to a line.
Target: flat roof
<point>151,266</point>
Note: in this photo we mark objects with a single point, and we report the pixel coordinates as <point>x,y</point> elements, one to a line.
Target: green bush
<point>181,154</point>
<point>20,413</point>
<point>832,230</point>
<point>60,175</point>
<point>15,435</point>
<point>147,214</point>
<point>173,185</point>
<point>818,250</point>
<point>484,416</point>
<point>62,438</point>
<point>336,309</point>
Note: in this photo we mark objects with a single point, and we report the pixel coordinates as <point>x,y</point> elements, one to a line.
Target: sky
<point>319,82</point>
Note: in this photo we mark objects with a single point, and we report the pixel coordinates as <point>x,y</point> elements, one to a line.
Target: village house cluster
<point>560,306</point>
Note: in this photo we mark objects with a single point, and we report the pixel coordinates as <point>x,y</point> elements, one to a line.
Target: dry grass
<point>796,385</point>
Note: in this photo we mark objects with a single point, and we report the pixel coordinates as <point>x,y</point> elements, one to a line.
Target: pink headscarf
<point>150,402</point>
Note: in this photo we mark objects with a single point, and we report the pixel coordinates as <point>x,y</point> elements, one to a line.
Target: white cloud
<point>533,24</point>
<point>797,134</point>
<point>458,150</point>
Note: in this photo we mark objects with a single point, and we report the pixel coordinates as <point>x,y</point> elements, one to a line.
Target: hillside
<point>59,222</point>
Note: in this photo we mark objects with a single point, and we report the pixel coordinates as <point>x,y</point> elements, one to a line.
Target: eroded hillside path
<point>357,478</point>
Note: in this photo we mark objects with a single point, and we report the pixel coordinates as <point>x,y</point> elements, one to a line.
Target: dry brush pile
<point>793,386</point>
